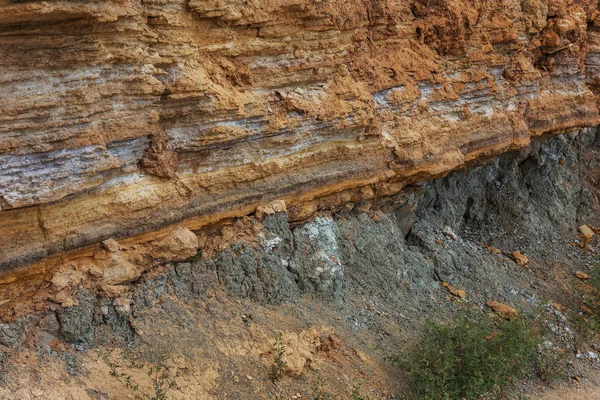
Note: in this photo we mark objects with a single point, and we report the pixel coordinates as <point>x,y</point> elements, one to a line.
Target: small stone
<point>179,245</point>
<point>363,357</point>
<point>491,249</point>
<point>49,324</point>
<point>587,310</point>
<point>277,206</point>
<point>502,310</point>
<point>448,232</point>
<point>66,277</point>
<point>457,292</point>
<point>519,258</point>
<point>587,234</point>
<point>120,271</point>
<point>581,275</point>
<point>111,245</point>
<point>115,290</point>
<point>122,305</point>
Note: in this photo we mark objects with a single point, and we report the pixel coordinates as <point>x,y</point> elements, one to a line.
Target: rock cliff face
<point>461,229</point>
<point>123,118</point>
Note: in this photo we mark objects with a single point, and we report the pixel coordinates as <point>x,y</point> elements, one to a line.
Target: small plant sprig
<point>280,366</point>
<point>160,379</point>
<point>113,369</point>
<point>320,392</point>
<point>129,384</point>
<point>195,258</point>
<point>356,393</point>
<point>127,378</point>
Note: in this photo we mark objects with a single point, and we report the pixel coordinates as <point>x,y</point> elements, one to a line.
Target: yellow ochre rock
<point>502,310</point>
<point>519,258</point>
<point>457,292</point>
<point>581,275</point>
<point>586,233</point>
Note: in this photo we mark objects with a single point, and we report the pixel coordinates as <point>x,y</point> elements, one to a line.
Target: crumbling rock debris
<point>277,206</point>
<point>301,349</point>
<point>275,260</point>
<point>115,265</point>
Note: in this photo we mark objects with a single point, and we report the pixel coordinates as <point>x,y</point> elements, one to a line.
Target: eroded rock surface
<point>119,118</point>
<point>396,258</point>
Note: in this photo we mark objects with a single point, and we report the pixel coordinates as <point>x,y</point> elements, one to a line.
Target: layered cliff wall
<point>124,118</point>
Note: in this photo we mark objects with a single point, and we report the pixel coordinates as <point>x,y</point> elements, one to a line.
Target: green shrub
<point>471,357</point>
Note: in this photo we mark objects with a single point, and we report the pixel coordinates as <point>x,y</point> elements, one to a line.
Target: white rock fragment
<point>449,232</point>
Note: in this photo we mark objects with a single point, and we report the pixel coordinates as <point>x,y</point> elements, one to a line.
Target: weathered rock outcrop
<point>395,258</point>
<point>125,118</point>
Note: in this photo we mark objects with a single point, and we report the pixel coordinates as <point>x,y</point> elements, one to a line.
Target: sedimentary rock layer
<point>122,117</point>
<point>463,229</point>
